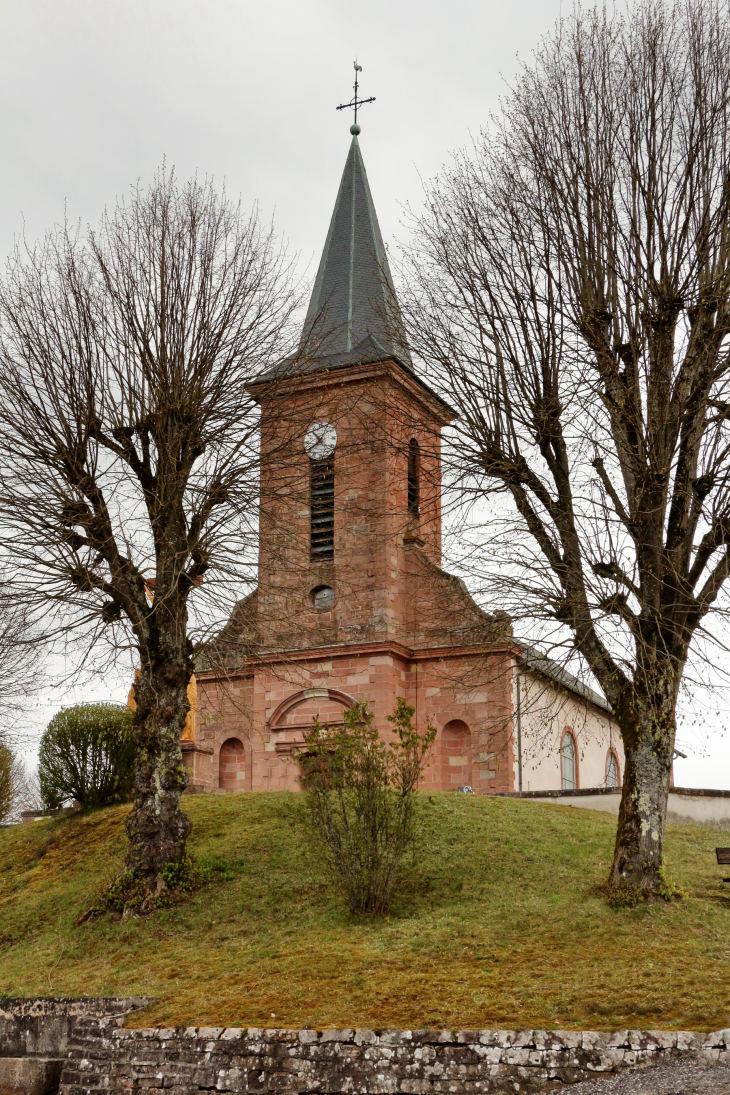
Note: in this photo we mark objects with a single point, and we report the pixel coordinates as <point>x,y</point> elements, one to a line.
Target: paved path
<point>677,1078</point>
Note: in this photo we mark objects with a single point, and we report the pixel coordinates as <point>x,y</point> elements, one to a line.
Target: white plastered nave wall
<point>547,709</point>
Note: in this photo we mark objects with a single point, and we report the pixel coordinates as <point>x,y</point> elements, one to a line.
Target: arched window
<point>414,478</point>
<point>322,508</point>
<point>613,772</point>
<point>232,766</point>
<point>568,762</point>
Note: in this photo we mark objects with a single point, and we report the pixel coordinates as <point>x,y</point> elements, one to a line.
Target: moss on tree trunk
<point>647,721</point>
<point>157,827</point>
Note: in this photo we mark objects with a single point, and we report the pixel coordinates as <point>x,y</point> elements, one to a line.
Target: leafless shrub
<point>361,797</point>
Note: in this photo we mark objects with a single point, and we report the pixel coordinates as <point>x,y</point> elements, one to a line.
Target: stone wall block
<point>490,1055</point>
<point>567,1075</point>
<point>210,1033</point>
<point>571,1039</point>
<point>540,1038</point>
<point>618,1038</point>
<point>714,1039</point>
<point>381,1083</point>
<point>590,1039</point>
<point>348,1052</point>
<point>390,1037</point>
<point>468,1037</point>
<point>415,1087</point>
<point>282,1035</point>
<point>603,1062</point>
<point>337,1035</point>
<point>517,1056</point>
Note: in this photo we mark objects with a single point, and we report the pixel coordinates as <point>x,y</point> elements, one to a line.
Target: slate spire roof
<point>353,315</point>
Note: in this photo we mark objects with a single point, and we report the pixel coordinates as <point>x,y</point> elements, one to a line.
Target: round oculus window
<point>323,597</point>
<point>320,440</point>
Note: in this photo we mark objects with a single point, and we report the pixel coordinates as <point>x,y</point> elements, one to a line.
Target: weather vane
<point>356,103</point>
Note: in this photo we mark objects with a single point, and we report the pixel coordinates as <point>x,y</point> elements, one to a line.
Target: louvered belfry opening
<point>322,508</point>
<point>414,485</point>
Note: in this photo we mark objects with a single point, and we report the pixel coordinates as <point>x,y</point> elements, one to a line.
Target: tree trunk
<point>637,873</point>
<point>157,827</point>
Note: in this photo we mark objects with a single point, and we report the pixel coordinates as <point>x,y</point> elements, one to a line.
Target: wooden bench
<point>723,859</point>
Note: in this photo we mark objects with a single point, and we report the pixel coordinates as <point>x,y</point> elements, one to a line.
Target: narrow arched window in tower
<point>414,478</point>
<point>322,508</point>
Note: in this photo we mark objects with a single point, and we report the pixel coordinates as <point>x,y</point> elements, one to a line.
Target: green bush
<point>361,798</point>
<point>87,754</point>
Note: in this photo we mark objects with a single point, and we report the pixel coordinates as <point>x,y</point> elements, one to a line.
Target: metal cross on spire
<point>356,103</point>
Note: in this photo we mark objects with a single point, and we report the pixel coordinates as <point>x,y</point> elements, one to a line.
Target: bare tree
<point>128,445</point>
<point>7,782</point>
<point>570,293</point>
<point>22,643</point>
<point>19,788</point>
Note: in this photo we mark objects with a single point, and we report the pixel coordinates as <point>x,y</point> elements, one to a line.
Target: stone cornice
<point>265,658</point>
<point>353,374</point>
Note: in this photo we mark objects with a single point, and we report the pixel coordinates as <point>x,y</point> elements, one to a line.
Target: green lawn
<point>498,925</point>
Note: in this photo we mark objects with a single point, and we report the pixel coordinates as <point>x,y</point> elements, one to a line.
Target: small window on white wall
<point>612,776</point>
<point>567,762</point>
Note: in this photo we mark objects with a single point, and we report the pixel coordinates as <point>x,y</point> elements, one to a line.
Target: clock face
<point>320,440</point>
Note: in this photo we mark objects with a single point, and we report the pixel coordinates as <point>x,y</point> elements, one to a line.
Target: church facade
<point>352,603</point>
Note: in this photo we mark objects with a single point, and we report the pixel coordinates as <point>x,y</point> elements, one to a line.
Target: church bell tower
<point>350,451</point>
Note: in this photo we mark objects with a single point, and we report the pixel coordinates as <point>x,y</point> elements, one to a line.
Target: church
<point>352,603</point>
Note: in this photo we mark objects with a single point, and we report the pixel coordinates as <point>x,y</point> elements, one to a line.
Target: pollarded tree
<point>128,445</point>
<point>571,296</point>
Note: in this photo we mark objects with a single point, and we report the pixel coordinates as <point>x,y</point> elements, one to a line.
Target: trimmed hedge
<point>87,754</point>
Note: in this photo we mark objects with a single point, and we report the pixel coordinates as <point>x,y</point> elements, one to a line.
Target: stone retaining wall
<point>104,1057</point>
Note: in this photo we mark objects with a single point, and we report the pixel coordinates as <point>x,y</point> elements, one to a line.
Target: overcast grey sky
<point>96,92</point>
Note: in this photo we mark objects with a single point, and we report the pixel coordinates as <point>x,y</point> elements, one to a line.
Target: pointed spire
<point>353,314</point>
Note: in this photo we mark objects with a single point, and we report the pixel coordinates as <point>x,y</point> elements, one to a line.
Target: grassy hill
<point>498,926</point>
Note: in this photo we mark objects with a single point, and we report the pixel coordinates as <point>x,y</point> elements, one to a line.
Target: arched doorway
<point>232,766</point>
<point>456,766</point>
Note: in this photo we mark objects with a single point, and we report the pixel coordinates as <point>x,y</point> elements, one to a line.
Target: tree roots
<point>133,895</point>
<point>629,893</point>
